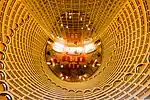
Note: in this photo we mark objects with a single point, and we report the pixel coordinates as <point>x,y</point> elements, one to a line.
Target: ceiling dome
<point>120,27</point>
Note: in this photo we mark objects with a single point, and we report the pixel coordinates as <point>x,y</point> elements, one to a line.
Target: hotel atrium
<point>74,49</point>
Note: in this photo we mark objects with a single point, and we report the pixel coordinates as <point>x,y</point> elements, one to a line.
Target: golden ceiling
<point>81,19</point>
<point>123,26</point>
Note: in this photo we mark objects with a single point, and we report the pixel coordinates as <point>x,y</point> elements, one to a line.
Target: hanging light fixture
<point>88,28</point>
<point>70,17</point>
<point>61,66</point>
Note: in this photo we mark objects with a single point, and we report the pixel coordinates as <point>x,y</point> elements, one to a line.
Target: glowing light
<point>98,64</point>
<point>66,77</point>
<point>93,65</point>
<point>58,47</point>
<point>85,75</point>
<point>81,18</point>
<point>48,42</point>
<point>66,26</point>
<point>61,39</point>
<point>70,17</point>
<point>51,59</point>
<point>84,66</point>
<point>82,28</point>
<point>83,78</point>
<point>61,25</point>
<point>61,66</point>
<point>95,60</point>
<point>87,41</point>
<point>80,77</point>
<point>99,43</point>
<point>48,63</point>
<point>61,75</point>
<point>74,50</point>
<point>70,13</point>
<point>88,29</point>
<point>62,78</point>
<point>89,48</point>
<point>52,35</point>
<point>86,25</point>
